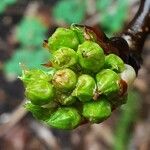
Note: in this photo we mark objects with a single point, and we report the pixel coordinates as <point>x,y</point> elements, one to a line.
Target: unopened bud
<point>64,80</point>
<point>39,92</point>
<point>39,112</point>
<point>64,58</point>
<point>64,118</point>
<point>108,83</point>
<point>128,75</point>
<point>114,62</point>
<point>91,56</point>
<point>32,75</point>
<point>63,37</point>
<point>85,88</point>
<point>97,111</point>
<point>83,33</point>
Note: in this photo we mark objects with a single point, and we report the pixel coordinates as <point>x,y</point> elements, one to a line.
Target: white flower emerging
<point>128,75</point>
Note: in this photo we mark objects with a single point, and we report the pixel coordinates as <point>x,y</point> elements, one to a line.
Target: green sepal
<point>64,98</point>
<point>91,56</point>
<point>108,83</point>
<point>114,63</point>
<point>64,58</point>
<point>63,37</point>
<point>38,112</point>
<point>39,92</point>
<point>97,111</point>
<point>85,88</point>
<point>83,33</point>
<point>64,80</point>
<point>64,118</point>
<point>33,74</point>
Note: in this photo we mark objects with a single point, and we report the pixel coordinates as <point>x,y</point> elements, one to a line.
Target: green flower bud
<point>85,88</point>
<point>83,33</point>
<point>64,58</point>
<point>38,112</point>
<point>91,56</point>
<point>97,111</point>
<point>65,118</point>
<point>108,82</point>
<point>114,62</point>
<point>39,92</point>
<point>32,75</point>
<point>64,80</point>
<point>63,37</point>
<point>65,99</point>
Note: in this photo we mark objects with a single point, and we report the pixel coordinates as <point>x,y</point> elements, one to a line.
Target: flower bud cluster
<point>86,84</point>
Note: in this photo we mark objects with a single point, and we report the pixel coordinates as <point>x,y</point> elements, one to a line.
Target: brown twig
<point>130,43</point>
<point>136,33</point>
<point>12,119</point>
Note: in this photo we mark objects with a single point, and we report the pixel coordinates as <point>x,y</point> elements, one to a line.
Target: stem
<point>129,45</point>
<point>139,28</point>
<point>136,33</point>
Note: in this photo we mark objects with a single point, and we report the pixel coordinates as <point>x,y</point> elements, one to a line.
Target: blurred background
<point>24,24</point>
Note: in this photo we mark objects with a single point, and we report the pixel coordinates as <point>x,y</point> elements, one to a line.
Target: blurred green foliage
<point>70,11</point>
<point>112,13</point>
<point>28,57</point>
<point>126,121</point>
<point>5,3</point>
<point>31,32</point>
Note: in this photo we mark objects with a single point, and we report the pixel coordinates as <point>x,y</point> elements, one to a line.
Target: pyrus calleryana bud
<point>39,92</point>
<point>91,56</point>
<point>64,58</point>
<point>64,80</point>
<point>85,88</point>
<point>108,83</point>
<point>114,63</point>
<point>63,37</point>
<point>97,111</point>
<point>64,118</point>
<point>32,75</point>
<point>39,112</point>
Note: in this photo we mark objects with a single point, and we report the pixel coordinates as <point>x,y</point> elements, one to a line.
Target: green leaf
<point>102,5</point>
<point>4,4</point>
<point>70,11</point>
<point>31,32</point>
<point>126,121</point>
<point>112,15</point>
<point>29,58</point>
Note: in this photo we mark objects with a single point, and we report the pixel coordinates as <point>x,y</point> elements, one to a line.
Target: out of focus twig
<point>8,121</point>
<point>45,134</point>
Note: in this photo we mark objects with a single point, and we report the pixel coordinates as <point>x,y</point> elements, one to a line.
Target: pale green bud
<point>91,56</point>
<point>39,112</point>
<point>97,111</point>
<point>64,80</point>
<point>39,92</point>
<point>65,118</point>
<point>33,75</point>
<point>63,37</point>
<point>85,88</point>
<point>108,83</point>
<point>114,63</point>
<point>64,58</point>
